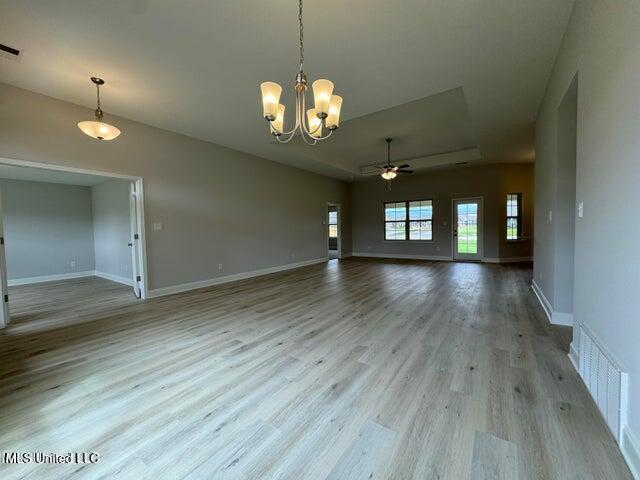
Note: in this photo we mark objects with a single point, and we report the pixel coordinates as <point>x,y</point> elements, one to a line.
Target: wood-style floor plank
<point>354,369</point>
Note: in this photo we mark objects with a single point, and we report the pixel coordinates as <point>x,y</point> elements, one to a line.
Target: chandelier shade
<point>271,92</point>
<point>97,128</point>
<point>312,125</point>
<point>322,90</point>
<point>333,118</point>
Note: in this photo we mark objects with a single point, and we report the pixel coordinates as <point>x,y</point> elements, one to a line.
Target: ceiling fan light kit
<point>97,128</point>
<point>389,172</point>
<point>314,124</point>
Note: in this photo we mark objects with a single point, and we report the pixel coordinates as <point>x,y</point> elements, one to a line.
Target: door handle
<point>129,244</point>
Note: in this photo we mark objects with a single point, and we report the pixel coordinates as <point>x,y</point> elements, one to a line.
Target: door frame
<point>480,255</point>
<point>139,183</point>
<point>326,225</point>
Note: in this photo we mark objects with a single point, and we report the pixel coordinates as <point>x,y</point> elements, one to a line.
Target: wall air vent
<point>10,52</point>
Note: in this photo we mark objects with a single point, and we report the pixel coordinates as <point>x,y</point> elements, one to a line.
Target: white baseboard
<point>440,258</point>
<point>159,292</point>
<point>49,278</point>
<point>546,306</point>
<point>507,259</point>
<point>114,278</point>
<point>631,451</point>
<point>560,318</point>
<point>574,356</point>
<point>555,318</point>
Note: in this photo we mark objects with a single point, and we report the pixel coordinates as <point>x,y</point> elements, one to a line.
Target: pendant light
<point>97,128</point>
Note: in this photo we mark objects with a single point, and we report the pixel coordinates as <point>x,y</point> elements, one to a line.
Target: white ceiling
<point>194,68</point>
<point>32,174</point>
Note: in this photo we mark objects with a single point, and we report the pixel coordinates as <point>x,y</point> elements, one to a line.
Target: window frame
<point>407,221</point>
<point>518,217</point>
<point>329,224</point>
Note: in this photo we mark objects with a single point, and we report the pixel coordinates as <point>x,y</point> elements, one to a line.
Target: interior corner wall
<point>492,182</point>
<point>601,45</point>
<point>260,215</point>
<point>47,226</point>
<point>112,229</point>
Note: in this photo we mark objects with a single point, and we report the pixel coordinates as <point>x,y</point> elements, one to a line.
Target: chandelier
<point>98,129</point>
<point>314,124</point>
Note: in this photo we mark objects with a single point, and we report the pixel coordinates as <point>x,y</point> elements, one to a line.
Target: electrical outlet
<point>293,255</point>
<point>73,263</point>
<point>581,210</point>
<point>550,215</point>
<point>157,226</point>
<point>219,266</point>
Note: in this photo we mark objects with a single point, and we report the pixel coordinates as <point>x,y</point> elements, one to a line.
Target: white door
<point>467,229</point>
<point>134,242</point>
<point>4,287</point>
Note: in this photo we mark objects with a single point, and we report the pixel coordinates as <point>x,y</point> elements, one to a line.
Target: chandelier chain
<point>301,34</point>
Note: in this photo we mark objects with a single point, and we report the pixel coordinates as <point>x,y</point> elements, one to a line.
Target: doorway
<point>67,229</point>
<point>334,244</point>
<point>467,229</point>
<point>565,215</point>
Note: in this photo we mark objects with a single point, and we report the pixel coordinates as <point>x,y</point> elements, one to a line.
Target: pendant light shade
<point>97,128</point>
<point>333,119</point>
<point>322,90</point>
<point>270,99</point>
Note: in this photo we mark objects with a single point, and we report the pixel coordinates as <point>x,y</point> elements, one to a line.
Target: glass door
<point>467,229</point>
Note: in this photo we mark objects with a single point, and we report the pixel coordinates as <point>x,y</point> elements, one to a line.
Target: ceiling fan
<point>389,172</point>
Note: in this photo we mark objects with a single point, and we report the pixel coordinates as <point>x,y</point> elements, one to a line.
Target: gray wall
<point>46,226</point>
<point>258,215</point>
<point>601,45</point>
<point>492,182</point>
<point>111,228</point>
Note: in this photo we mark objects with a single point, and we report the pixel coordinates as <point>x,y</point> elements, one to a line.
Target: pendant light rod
<point>98,82</point>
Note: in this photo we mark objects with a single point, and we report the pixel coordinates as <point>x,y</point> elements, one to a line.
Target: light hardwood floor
<point>354,369</point>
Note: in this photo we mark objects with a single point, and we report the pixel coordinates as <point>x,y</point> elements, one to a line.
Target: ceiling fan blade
<point>404,171</point>
<point>404,166</point>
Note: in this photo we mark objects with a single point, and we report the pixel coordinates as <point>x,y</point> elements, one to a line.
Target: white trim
<point>49,278</point>
<point>114,278</point>
<point>561,318</point>
<point>630,448</point>
<point>159,292</point>
<point>574,356</point>
<point>60,168</point>
<point>546,306</point>
<point>400,256</point>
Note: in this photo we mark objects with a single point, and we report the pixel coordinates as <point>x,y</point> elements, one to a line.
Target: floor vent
<point>606,382</point>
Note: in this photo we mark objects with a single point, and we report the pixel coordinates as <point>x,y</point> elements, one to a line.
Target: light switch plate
<point>581,210</point>
<point>550,215</point>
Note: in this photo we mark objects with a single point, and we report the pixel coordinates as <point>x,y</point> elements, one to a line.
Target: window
<point>514,216</point>
<point>333,224</point>
<point>409,220</point>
